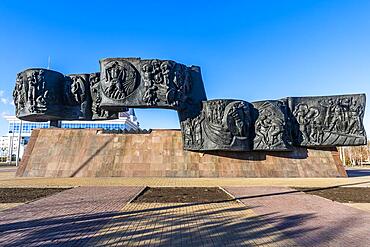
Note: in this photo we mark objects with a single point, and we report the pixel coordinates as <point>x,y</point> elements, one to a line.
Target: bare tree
<point>354,156</point>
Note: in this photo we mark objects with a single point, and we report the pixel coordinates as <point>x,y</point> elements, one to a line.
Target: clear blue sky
<point>249,50</point>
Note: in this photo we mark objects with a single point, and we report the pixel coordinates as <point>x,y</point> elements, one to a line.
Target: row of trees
<point>355,156</point>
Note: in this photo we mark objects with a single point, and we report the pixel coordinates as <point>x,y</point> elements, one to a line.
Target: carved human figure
<point>197,128</point>
<point>336,116</point>
<point>78,89</point>
<point>187,132</point>
<point>147,75</point>
<point>40,80</point>
<point>32,88</point>
<point>95,89</point>
<point>151,76</point>
<point>240,117</point>
<point>150,96</point>
<point>18,94</point>
<point>96,95</point>
<point>119,79</point>
<point>42,93</point>
<point>311,123</point>
<point>275,131</point>
<point>317,133</point>
<point>179,87</point>
<point>158,78</point>
<point>345,104</point>
<point>166,69</point>
<point>329,105</point>
<point>156,66</point>
<point>215,112</point>
<point>115,74</point>
<point>300,112</point>
<point>355,123</point>
<point>336,119</point>
<point>94,79</point>
<point>262,128</point>
<point>15,95</point>
<point>269,126</point>
<point>177,78</point>
<point>192,132</point>
<point>41,99</point>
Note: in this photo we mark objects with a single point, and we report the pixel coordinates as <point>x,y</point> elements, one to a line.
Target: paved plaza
<point>264,212</point>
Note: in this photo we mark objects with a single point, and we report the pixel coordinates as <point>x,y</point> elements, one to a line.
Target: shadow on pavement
<point>162,224</point>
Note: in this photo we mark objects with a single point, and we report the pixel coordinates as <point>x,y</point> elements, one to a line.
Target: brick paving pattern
<point>308,220</point>
<point>68,218</point>
<point>198,224</point>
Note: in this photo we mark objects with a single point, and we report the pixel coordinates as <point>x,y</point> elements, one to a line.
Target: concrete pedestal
<point>89,153</point>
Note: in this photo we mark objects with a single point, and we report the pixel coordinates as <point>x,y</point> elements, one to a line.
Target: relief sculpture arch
<point>206,125</point>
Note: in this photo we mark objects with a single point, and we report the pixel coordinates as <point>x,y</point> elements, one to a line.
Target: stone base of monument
<point>92,153</point>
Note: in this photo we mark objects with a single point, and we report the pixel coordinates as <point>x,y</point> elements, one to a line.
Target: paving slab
<point>362,206</point>
<point>4,206</point>
<point>68,218</point>
<point>307,219</point>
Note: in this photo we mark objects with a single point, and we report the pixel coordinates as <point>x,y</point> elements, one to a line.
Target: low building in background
<point>10,144</point>
<point>6,142</point>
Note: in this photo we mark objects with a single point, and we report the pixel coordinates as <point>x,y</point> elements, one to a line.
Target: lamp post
<point>11,144</point>
<point>19,143</point>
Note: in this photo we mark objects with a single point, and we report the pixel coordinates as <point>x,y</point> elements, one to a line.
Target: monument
<point>228,126</point>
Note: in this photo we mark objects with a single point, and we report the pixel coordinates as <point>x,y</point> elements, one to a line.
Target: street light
<point>19,143</point>
<point>11,144</point>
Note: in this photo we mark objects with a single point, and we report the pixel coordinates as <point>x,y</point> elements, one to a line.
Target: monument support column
<point>55,124</point>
